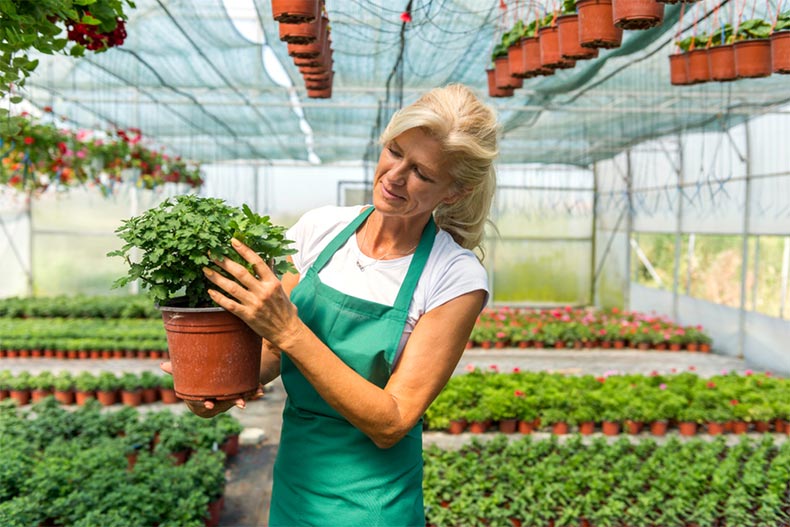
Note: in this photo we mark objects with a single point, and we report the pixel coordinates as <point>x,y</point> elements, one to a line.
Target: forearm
<point>270,363</point>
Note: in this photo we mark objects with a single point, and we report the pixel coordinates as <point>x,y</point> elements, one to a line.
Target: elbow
<point>387,437</point>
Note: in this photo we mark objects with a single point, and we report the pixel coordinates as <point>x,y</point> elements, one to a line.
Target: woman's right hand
<point>210,407</point>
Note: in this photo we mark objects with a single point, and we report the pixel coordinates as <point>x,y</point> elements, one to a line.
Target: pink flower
<point>81,154</point>
<point>748,373</point>
<point>724,371</point>
<point>566,318</point>
<point>535,331</point>
<point>516,369</point>
<point>692,368</point>
<point>501,334</point>
<point>662,386</point>
<point>470,367</point>
<point>493,367</point>
<point>654,373</point>
<point>674,370</point>
<point>568,309</point>
<point>602,331</point>
<point>768,374</point>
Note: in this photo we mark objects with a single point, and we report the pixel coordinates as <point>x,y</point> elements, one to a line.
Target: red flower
<point>48,109</point>
<point>405,17</point>
<point>600,379</point>
<point>518,393</point>
<point>516,369</point>
<point>734,402</point>
<point>692,368</point>
<point>615,310</point>
<point>711,384</point>
<point>29,140</point>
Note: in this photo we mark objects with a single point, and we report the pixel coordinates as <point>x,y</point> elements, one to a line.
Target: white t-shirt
<point>449,272</point>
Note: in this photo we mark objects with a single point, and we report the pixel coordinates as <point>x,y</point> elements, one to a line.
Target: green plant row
<point>84,381</point>
<point>567,484</point>
<point>80,306</point>
<point>551,398</point>
<point>71,468</point>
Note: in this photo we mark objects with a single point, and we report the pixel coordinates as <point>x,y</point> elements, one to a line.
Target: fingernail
<point>207,271</point>
<point>234,242</point>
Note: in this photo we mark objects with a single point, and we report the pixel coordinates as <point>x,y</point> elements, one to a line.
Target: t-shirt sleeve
<point>462,274</point>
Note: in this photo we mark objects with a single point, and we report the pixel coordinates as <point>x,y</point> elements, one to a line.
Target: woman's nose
<point>398,173</point>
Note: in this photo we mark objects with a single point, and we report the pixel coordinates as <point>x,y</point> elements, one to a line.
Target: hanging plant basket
<point>550,56</point>
<point>721,61</point>
<point>596,25</point>
<point>515,61</point>
<point>679,69</point>
<point>493,89</point>
<point>570,48</point>
<point>637,14</point>
<point>214,354</point>
<point>313,49</point>
<point>502,75</point>
<point>295,11</point>
<point>753,58</point>
<point>532,62</point>
<point>326,93</point>
<point>780,52</point>
<point>698,68</point>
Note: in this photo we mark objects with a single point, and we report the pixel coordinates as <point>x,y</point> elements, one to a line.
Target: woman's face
<point>411,178</point>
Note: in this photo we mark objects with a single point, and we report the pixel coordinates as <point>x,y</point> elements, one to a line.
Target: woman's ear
<point>456,196</point>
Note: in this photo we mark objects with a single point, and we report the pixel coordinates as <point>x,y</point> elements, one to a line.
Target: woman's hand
<point>210,408</point>
<point>260,302</point>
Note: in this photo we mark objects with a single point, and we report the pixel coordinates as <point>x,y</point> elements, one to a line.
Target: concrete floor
<point>249,474</point>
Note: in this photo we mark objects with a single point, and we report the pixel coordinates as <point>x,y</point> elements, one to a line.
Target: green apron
<point>327,472</point>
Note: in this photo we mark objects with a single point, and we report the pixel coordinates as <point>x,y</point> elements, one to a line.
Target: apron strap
<point>339,240</point>
<point>417,265</point>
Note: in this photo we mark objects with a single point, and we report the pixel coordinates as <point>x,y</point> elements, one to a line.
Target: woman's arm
<point>385,415</point>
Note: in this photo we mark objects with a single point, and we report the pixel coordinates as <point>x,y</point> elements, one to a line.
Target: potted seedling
<point>780,44</point>
<point>214,354</point>
<point>753,49</point>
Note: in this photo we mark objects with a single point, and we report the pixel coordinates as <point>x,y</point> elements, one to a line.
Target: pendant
<point>361,267</point>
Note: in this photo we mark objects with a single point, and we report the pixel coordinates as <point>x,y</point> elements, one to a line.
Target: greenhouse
<point>616,355</point>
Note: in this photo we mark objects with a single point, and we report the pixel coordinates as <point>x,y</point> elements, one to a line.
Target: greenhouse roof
<point>193,80</point>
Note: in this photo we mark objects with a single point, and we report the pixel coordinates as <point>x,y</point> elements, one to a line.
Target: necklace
<point>362,266</point>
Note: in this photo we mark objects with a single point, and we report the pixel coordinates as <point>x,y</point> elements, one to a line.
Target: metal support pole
<point>678,233</point>
<point>745,246</point>
<point>785,274</point>
<point>629,228</point>
<point>592,234</point>
<point>690,266</point>
<point>756,271</point>
<point>134,287</point>
<point>256,188</point>
<point>32,238</point>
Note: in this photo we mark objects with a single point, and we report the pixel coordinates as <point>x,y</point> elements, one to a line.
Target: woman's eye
<point>394,152</point>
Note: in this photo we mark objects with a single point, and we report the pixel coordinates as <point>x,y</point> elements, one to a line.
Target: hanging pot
<point>502,75</point>
<point>214,354</point>
<point>531,51</point>
<point>515,61</point>
<point>698,68</point>
<point>294,11</point>
<point>753,58</point>
<point>312,49</point>
<point>637,14</point>
<point>721,61</point>
<point>550,56</point>
<point>493,89</point>
<point>679,69</point>
<point>301,32</point>
<point>569,39</point>
<point>326,93</point>
<point>596,26</point>
<point>780,52</point>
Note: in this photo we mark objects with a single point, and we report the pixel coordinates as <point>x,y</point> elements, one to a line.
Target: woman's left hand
<point>260,302</point>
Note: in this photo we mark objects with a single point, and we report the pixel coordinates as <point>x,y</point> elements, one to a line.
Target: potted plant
<point>64,387</point>
<point>637,14</point>
<point>596,24</point>
<point>131,389</point>
<point>504,83</point>
<point>230,428</point>
<point>549,38</point>
<point>19,387</point>
<point>85,384</point>
<point>568,26</point>
<point>780,44</point>
<point>42,386</point>
<point>149,382</point>
<point>177,240</point>
<point>107,388</point>
<point>753,49</point>
<point>721,54</point>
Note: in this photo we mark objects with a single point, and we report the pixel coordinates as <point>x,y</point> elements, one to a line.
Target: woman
<point>371,328</point>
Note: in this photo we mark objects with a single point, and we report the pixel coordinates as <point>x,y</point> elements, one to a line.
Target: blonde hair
<point>467,131</point>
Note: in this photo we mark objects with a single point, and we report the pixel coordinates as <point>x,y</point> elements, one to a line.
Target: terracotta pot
<point>762,426</point>
<point>693,346</point>
<point>84,354</point>
<point>39,395</point>
<point>740,427</point>
<point>779,426</point>
<point>661,346</point>
<point>301,32</point>
<point>131,460</point>
<point>94,354</point>
<point>596,25</point>
<point>637,14</point>
<point>3,394</point>
<point>753,58</point>
<point>290,11</point>
<point>311,50</point>
<point>24,354</point>
<point>515,61</point>
<point>495,91</point>
<point>570,48</point>
<point>502,76</point>
<point>231,445</point>
<point>658,428</point>
<point>531,53</point>
<point>478,427</point>
<point>12,354</point>
<point>61,354</point>
<point>36,354</point>
<point>150,395</point>
<point>457,426</point>
<point>180,457</point>
<point>64,397</point>
<point>698,71</point>
<point>214,510</point>
<point>326,93</point>
<point>704,348</point>
<point>633,427</point>
<point>214,354</point>
<point>559,428</point>
<point>643,346</point>
<point>619,344</point>
<point>508,426</point>
<point>82,397</point>
<point>587,427</point>
<point>168,396</point>
<point>674,347</point>
<point>550,56</point>
<point>715,429</point>
<point>721,62</point>
<point>132,398</point>
<point>107,397</point>
<point>559,345</point>
<point>22,397</point>
<point>525,427</point>
<point>780,52</point>
<point>687,428</point>
<point>610,428</point>
<point>606,344</point>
